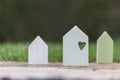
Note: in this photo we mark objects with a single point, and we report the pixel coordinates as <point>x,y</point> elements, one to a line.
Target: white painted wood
<point>38,52</point>
<point>72,54</point>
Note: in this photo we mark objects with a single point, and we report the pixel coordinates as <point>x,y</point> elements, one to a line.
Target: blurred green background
<point>23,20</point>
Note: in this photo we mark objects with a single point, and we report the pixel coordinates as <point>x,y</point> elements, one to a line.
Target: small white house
<point>75,48</point>
<point>38,52</point>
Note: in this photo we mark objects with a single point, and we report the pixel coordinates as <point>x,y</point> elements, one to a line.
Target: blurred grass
<point>55,52</point>
<point>13,52</point>
<point>18,52</point>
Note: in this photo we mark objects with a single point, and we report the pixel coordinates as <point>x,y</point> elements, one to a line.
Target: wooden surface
<point>22,70</point>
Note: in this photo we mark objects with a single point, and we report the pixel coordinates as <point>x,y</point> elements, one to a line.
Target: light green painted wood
<point>105,49</point>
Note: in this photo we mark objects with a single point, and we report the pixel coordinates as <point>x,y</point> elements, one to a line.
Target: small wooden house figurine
<point>75,48</point>
<point>38,52</point>
<point>104,49</point>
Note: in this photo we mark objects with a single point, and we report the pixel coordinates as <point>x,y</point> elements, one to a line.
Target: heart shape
<point>81,45</point>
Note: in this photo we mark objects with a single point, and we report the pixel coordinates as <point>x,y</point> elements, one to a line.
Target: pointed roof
<point>38,40</point>
<point>75,29</point>
<point>105,35</point>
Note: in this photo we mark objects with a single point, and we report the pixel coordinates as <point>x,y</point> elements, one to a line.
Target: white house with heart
<point>75,48</point>
<point>38,52</point>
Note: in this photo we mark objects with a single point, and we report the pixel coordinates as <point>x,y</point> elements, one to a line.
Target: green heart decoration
<point>81,45</point>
